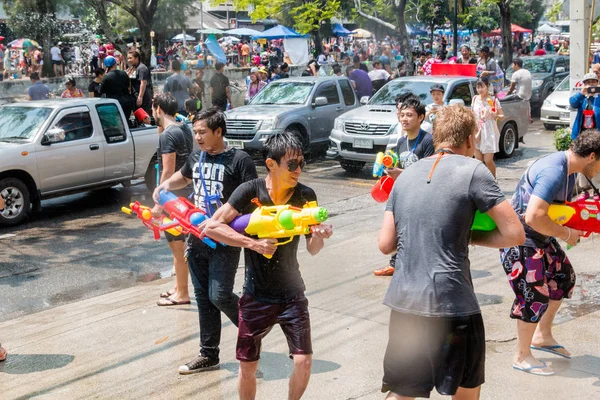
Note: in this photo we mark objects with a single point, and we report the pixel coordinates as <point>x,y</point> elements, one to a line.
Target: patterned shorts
<point>537,276</point>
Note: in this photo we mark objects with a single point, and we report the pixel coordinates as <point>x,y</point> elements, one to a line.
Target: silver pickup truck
<point>51,148</point>
<point>360,134</point>
<point>306,106</point>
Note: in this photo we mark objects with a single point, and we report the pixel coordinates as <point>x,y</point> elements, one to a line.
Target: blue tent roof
<point>215,49</point>
<point>278,32</point>
<point>339,30</point>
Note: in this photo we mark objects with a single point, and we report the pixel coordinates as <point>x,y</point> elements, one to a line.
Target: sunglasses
<point>293,165</point>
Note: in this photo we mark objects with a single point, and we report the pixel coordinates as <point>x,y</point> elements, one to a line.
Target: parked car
<point>360,134</point>
<point>547,72</point>
<point>556,108</point>
<point>56,147</point>
<point>306,106</point>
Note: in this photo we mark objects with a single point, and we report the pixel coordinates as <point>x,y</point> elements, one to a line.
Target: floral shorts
<point>537,276</point>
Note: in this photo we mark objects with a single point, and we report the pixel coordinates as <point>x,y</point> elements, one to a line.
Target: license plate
<point>238,144</point>
<point>363,143</point>
<point>565,115</point>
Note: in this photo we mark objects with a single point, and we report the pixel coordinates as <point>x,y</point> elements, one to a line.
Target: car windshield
<point>565,85</point>
<point>283,92</point>
<point>21,123</point>
<point>387,94</point>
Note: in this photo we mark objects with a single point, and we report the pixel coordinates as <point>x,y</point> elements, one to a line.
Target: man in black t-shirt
<point>215,172</point>
<point>273,288</point>
<point>175,143</point>
<point>219,88</point>
<point>116,85</point>
<point>141,83</point>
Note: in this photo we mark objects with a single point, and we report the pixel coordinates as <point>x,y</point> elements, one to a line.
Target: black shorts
<point>54,62</point>
<point>256,319</point>
<point>427,352</point>
<point>173,238</point>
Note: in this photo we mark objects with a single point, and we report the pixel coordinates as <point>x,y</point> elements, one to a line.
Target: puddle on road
<point>586,299</point>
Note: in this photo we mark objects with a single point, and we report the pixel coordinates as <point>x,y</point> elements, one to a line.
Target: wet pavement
<point>80,280</point>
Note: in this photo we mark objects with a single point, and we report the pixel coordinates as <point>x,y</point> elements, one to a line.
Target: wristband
<point>569,236</point>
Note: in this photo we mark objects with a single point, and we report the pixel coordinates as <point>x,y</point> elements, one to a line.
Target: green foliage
<point>562,139</point>
<point>555,11</point>
<point>482,15</point>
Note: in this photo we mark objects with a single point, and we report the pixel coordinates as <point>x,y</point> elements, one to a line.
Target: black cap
<point>437,87</point>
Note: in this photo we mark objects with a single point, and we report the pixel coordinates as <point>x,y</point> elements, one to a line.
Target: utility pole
<point>201,20</point>
<point>580,11</point>
<point>455,39</point>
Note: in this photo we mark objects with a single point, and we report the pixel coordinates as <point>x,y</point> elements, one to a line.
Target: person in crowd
<point>539,271</point>
<point>540,51</point>
<point>117,85</point>
<point>486,66</point>
<point>263,75</point>
<point>312,68</point>
<point>175,144</point>
<point>437,95</point>
<point>521,83</point>
<point>336,70</point>
<point>219,88</point>
<point>141,83</point>
<point>465,56</point>
<point>400,70</point>
<point>285,71</point>
<point>37,90</point>
<point>244,54</point>
<point>192,106</point>
<point>274,289</point>
<point>57,60</point>
<point>419,63</point>
<point>274,72</point>
<point>199,87</point>
<point>71,91</point>
<point>215,171</point>
<point>94,57</point>
<point>95,85</point>
<point>487,111</point>
<point>582,101</point>
<point>386,58</point>
<point>178,85</point>
<point>254,87</point>
<point>439,58</point>
<point>413,145</point>
<point>378,76</point>
<point>360,81</point>
<point>356,64</point>
<point>563,50</point>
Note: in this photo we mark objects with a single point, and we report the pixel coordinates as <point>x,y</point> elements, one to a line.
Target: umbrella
<point>242,32</point>
<point>179,38</point>
<point>210,31</point>
<point>339,30</point>
<point>23,43</point>
<point>361,33</point>
<point>548,29</point>
<point>514,28</point>
<point>278,32</point>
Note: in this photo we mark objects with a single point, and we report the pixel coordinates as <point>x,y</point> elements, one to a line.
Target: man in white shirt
<point>521,82</point>
<point>378,76</point>
<point>57,60</point>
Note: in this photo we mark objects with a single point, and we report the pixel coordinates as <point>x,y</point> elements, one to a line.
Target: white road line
<point>323,169</point>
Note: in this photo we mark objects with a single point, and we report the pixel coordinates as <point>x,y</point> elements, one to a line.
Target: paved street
<point>79,284</point>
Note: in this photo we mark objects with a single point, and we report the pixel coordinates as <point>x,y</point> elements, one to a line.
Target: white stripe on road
<point>323,169</point>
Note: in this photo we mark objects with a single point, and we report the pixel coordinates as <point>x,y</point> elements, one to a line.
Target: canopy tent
<point>278,32</point>
<point>339,30</point>
<point>215,49</point>
<point>514,28</point>
<point>210,31</point>
<point>361,33</point>
<point>548,29</point>
<point>243,32</point>
<point>179,38</point>
<point>229,40</point>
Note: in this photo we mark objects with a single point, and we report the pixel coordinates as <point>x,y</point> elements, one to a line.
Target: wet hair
<point>214,118</point>
<point>191,105</point>
<point>587,142</point>
<point>99,71</point>
<point>176,65</point>
<point>453,125</point>
<point>135,54</point>
<point>35,76</point>
<point>356,59</point>
<point>482,81</point>
<point>518,62</point>
<point>413,102</point>
<point>167,103</point>
<point>405,96</point>
<point>280,144</point>
<point>337,69</point>
<point>219,66</point>
<point>283,66</point>
<point>485,50</point>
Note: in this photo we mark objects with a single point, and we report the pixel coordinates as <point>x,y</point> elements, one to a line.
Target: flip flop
<point>171,302</point>
<point>552,350</point>
<point>530,370</point>
<point>166,294</point>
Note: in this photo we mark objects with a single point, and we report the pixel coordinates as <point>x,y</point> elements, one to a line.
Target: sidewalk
<point>121,345</point>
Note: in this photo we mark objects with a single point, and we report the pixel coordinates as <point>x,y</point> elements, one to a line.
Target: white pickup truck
<point>56,147</point>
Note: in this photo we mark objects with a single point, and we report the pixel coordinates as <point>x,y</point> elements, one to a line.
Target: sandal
<point>170,302</point>
<point>166,294</point>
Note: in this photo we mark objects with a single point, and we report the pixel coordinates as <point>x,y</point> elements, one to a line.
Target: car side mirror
<point>53,135</point>
<point>364,100</point>
<point>320,101</point>
<point>560,69</point>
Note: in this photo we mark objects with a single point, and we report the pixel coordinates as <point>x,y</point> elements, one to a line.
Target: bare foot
<point>532,365</point>
<point>550,344</point>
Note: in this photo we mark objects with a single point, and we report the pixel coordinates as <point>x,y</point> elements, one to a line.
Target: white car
<point>556,110</point>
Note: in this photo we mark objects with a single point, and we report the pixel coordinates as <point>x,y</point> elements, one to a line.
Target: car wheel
<point>549,127</point>
<point>16,201</point>
<point>508,140</point>
<point>353,167</point>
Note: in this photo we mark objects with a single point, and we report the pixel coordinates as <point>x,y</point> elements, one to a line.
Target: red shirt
<point>540,52</point>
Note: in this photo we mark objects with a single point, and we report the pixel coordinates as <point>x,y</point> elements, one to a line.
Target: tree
<point>433,13</point>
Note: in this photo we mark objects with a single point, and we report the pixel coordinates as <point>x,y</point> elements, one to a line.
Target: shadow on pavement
<point>17,364</point>
<point>276,366</point>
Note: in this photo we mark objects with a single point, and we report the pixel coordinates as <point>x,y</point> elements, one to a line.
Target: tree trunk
<point>318,42</point>
<point>505,21</point>
<point>403,34</point>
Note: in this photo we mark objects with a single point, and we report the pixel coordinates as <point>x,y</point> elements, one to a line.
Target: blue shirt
<point>364,87</point>
<point>548,179</point>
<point>579,102</point>
<point>38,91</point>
